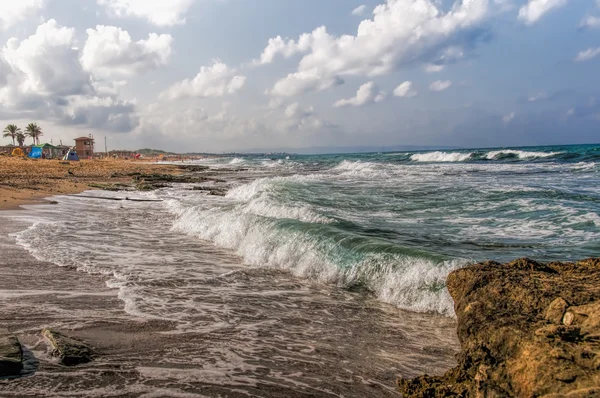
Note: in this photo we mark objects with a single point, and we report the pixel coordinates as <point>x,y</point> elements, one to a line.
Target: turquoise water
<point>398,223</point>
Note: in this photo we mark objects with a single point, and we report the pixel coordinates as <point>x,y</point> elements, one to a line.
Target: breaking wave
<point>441,157</point>
<point>237,161</point>
<point>301,240</point>
<point>504,154</point>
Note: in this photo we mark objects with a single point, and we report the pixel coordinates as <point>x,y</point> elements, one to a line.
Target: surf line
<point>125,198</point>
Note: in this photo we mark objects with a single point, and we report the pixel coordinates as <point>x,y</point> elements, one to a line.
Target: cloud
<point>217,80</point>
<point>101,112</point>
<point>44,64</point>
<point>368,93</point>
<point>590,22</point>
<point>300,82</point>
<point>43,78</point>
<point>158,12</point>
<point>170,124</point>
<point>587,54</point>
<point>537,97</point>
<point>440,85</point>
<point>508,118</point>
<point>110,52</point>
<point>294,109</point>
<point>401,32</point>
<point>531,12</point>
<point>13,12</point>
<point>504,5</point>
<point>360,10</point>
<point>405,90</point>
<point>433,68</point>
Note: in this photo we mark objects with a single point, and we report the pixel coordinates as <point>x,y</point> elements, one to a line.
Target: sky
<point>247,75</point>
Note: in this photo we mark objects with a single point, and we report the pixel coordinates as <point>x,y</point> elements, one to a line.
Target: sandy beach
<point>27,181</point>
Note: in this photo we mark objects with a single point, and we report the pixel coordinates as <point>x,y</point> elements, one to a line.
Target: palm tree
<point>34,131</point>
<point>11,131</point>
<point>20,138</point>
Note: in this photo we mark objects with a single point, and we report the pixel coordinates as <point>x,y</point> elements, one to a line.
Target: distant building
<point>84,146</point>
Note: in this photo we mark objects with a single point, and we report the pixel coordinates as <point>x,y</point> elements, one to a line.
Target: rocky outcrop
<point>526,330</point>
<point>70,352</point>
<point>11,354</point>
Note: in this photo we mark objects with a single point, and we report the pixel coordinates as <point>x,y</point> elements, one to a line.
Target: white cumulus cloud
<point>44,63</point>
<point>368,93</point>
<point>405,90</point>
<point>440,85</point>
<point>590,22</point>
<point>158,12</point>
<point>360,10</point>
<point>216,80</point>
<point>42,77</point>
<point>13,12</point>
<point>401,32</point>
<point>587,54</point>
<point>531,12</point>
<point>109,52</point>
<point>433,68</point>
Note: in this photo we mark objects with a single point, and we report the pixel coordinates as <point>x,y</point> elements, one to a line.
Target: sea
<point>387,227</point>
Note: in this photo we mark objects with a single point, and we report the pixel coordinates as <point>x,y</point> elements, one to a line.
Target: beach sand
<point>28,181</point>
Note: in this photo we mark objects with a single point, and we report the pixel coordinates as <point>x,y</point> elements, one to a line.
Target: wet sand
<point>283,337</point>
<point>28,181</point>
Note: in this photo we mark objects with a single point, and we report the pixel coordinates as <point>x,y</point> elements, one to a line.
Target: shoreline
<point>138,356</point>
<point>32,181</point>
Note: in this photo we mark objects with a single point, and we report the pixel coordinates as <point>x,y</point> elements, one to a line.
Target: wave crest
<point>441,157</point>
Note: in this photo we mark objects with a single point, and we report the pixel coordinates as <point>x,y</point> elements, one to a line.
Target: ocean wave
<point>441,157</point>
<point>357,166</point>
<point>504,153</point>
<point>237,161</point>
<point>268,235</point>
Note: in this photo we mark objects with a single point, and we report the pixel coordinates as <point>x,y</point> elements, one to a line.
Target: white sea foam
<point>252,229</point>
<point>520,154</point>
<point>237,161</point>
<point>441,157</point>
<point>360,169</point>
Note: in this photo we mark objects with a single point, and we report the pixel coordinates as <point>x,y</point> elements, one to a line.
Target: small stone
<point>556,310</point>
<point>568,318</point>
<point>11,354</point>
<point>69,351</point>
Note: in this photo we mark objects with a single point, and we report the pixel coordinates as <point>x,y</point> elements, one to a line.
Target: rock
<point>11,354</point>
<point>69,351</point>
<point>556,310</point>
<point>526,330</point>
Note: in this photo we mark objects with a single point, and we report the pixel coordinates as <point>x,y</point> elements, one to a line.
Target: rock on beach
<point>526,329</point>
<point>70,352</point>
<point>11,354</point>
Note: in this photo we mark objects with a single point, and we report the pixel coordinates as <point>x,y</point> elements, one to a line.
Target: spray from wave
<point>441,157</point>
<point>504,154</point>
<point>268,233</point>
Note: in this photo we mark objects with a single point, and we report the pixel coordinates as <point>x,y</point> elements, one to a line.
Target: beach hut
<point>72,156</point>
<point>18,152</point>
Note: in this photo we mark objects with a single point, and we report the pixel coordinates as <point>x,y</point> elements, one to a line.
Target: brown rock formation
<point>11,354</point>
<point>70,352</point>
<point>526,330</point>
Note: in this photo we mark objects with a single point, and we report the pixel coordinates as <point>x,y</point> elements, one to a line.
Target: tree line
<point>16,134</point>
